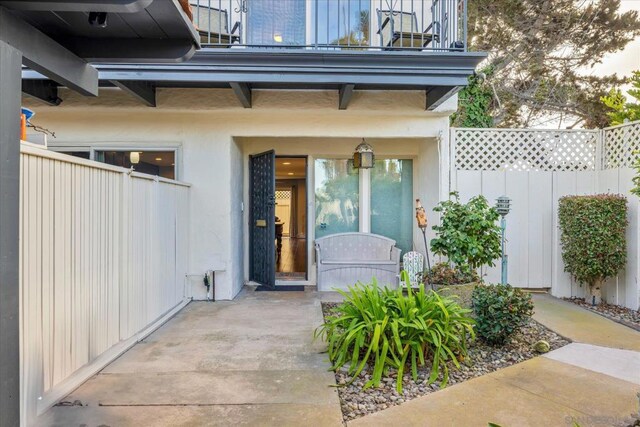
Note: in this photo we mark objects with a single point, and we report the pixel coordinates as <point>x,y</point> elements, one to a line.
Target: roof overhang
<point>441,74</point>
<point>135,30</point>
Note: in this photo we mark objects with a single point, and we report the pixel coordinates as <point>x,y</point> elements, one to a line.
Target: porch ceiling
<point>440,74</point>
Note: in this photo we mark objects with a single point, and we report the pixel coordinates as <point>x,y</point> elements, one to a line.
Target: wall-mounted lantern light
<point>134,157</point>
<point>503,206</point>
<point>363,157</point>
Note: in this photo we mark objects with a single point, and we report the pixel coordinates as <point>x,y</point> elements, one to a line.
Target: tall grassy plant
<point>387,329</point>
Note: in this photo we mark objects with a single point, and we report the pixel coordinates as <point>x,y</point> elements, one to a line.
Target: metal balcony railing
<point>419,25</point>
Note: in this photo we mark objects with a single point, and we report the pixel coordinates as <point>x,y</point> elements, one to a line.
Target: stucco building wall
<point>215,136</point>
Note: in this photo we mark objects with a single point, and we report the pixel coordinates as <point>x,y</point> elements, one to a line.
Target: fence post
<point>452,164</point>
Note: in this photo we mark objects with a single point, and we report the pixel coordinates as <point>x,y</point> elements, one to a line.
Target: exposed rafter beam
<point>113,6</point>
<point>143,91</point>
<point>243,92</point>
<point>345,96</point>
<point>44,90</point>
<point>439,94</point>
<point>43,54</point>
<point>131,50</point>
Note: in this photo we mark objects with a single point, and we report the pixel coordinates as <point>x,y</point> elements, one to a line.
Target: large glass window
<point>336,188</point>
<point>392,201</point>
<point>161,163</point>
<point>274,22</point>
<point>341,22</point>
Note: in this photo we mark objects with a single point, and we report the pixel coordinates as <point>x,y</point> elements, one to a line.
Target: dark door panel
<point>262,220</point>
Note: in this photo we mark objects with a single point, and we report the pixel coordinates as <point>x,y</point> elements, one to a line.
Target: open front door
<point>262,219</point>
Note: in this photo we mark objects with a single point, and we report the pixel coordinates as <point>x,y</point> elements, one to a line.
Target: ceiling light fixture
<point>290,173</point>
<point>134,157</point>
<point>159,159</point>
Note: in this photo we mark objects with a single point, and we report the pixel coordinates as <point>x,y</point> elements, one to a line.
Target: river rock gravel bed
<point>482,359</point>
<point>619,314</point>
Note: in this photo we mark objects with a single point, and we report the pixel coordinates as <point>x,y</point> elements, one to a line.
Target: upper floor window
<point>275,22</point>
<point>341,22</point>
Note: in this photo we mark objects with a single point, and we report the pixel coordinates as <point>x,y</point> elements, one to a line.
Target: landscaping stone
<point>617,313</point>
<point>482,359</point>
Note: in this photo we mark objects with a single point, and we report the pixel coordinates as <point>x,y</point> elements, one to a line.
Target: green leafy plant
<point>468,234</point>
<point>592,235</point>
<point>443,274</point>
<point>500,311</point>
<point>387,329</point>
<point>475,102</point>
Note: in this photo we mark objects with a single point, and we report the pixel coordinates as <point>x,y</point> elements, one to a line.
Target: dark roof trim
<point>118,6</point>
<point>303,67</point>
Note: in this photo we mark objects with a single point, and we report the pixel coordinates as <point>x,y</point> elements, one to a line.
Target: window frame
<point>62,147</point>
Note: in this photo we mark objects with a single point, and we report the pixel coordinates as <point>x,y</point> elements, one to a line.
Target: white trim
<point>364,200</point>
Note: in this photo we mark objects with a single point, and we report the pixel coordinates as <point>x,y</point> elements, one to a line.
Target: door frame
<point>308,239</point>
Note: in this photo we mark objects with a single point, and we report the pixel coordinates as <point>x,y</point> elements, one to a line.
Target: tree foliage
<point>620,108</point>
<point>468,234</point>
<point>593,238</point>
<point>541,53</point>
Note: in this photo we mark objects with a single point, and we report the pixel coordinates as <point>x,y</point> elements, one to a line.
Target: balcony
<point>341,45</point>
<point>416,25</point>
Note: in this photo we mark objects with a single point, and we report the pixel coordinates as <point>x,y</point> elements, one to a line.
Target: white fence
<point>103,260</point>
<point>535,168</point>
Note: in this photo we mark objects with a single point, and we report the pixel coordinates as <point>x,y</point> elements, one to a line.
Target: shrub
<point>592,235</point>
<point>468,234</point>
<point>443,274</point>
<point>388,329</point>
<point>500,311</point>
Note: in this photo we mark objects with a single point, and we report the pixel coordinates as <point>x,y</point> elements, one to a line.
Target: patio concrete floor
<point>251,361</point>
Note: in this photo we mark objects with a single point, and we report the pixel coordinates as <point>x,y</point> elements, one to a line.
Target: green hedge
<point>593,238</point>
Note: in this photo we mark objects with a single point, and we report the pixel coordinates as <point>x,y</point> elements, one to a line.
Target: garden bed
<point>623,315</point>
<point>483,359</point>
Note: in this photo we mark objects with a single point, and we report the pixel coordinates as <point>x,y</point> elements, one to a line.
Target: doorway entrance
<point>291,218</point>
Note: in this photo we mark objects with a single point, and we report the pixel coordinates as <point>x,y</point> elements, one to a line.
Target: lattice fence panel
<point>621,145</point>
<point>283,194</point>
<point>525,149</point>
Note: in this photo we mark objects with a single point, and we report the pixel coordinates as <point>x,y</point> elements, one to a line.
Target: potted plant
<point>469,237</point>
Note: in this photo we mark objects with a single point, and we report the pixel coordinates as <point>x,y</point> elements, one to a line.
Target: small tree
<point>593,239</point>
<point>468,234</point>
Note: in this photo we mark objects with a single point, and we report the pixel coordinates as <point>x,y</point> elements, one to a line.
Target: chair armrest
<point>436,28</point>
<point>395,255</point>
<point>384,23</point>
<point>236,26</point>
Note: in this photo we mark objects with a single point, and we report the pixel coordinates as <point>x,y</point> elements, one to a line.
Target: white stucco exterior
<point>214,137</point>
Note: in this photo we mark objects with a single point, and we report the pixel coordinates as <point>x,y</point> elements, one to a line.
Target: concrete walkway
<point>593,381</point>
<point>250,361</point>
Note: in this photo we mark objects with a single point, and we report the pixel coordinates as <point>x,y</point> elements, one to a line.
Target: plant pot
<point>462,291</point>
